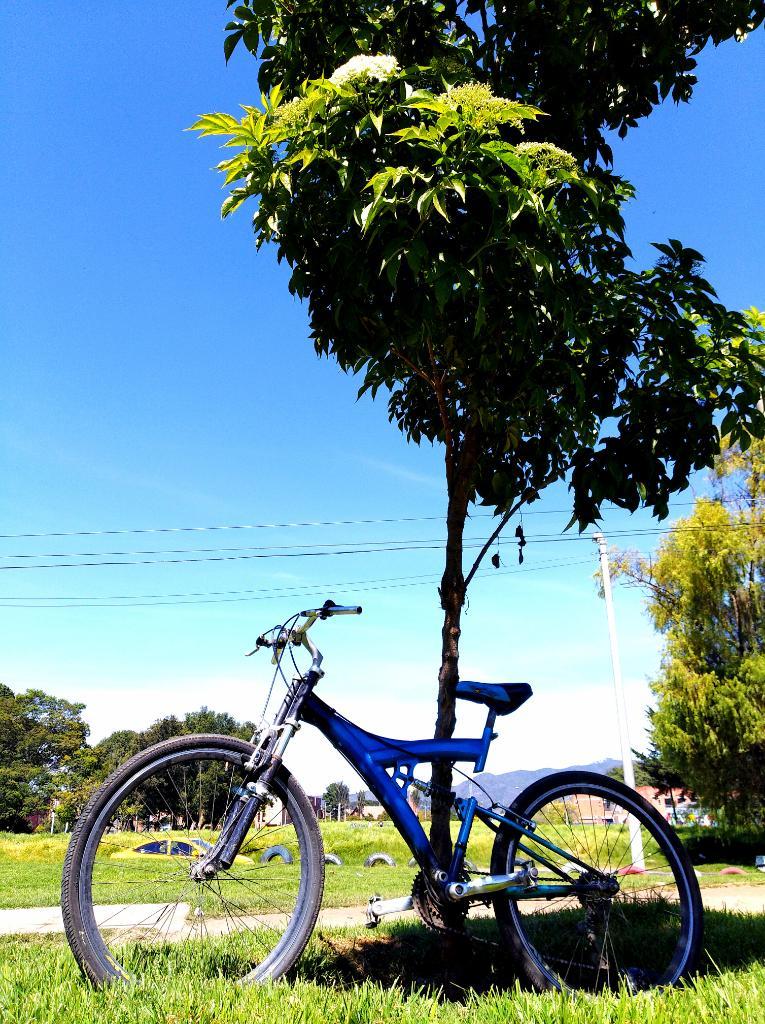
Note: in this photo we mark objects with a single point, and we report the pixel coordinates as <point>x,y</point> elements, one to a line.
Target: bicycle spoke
<point>616,927</point>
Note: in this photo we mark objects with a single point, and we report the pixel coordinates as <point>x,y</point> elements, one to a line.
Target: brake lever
<point>260,642</point>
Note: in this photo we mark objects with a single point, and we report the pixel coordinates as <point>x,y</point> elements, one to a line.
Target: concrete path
<point>41,920</point>
<point>744,899</point>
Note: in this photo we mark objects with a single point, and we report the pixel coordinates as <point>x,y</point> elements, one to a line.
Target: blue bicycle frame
<point>387,767</point>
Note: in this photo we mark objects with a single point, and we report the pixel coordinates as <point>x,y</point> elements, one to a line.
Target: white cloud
<point>556,728</point>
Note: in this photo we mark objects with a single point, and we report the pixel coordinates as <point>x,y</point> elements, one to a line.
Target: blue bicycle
<point>587,888</point>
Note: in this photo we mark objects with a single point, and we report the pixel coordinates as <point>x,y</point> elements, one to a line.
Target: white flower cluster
<point>364,68</point>
<point>548,157</point>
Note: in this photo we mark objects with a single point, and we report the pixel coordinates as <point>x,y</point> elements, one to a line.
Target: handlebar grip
<point>330,608</point>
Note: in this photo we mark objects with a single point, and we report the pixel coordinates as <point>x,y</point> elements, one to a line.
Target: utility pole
<point>636,842</point>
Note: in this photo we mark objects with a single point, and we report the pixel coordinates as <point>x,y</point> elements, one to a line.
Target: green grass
<point>393,974</point>
<point>30,865</point>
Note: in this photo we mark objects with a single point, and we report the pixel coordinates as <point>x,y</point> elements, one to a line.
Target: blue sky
<point>156,373</point>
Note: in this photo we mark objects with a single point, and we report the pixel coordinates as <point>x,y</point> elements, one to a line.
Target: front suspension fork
<point>241,814</point>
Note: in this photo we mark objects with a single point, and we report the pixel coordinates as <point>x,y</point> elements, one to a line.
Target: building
<point>673,805</point>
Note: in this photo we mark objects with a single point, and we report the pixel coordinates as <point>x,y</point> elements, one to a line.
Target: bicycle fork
<point>242,813</point>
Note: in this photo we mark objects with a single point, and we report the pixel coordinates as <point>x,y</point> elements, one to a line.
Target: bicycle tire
<point>257,933</point>
<point>648,934</point>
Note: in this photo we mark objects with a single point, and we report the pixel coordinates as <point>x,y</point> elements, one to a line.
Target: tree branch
<point>502,524</point>
<point>488,46</point>
<point>415,369</point>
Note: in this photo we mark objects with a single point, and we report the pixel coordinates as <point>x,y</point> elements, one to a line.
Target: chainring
<point>435,913</point>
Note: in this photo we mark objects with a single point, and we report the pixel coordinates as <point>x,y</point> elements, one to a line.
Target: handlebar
<point>298,635</point>
<point>329,608</point>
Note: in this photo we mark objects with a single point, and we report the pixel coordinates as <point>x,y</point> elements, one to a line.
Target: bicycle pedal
<point>373,919</point>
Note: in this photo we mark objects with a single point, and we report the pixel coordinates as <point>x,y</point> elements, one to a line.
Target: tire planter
<point>379,858</point>
<point>276,851</point>
<point>332,858</point>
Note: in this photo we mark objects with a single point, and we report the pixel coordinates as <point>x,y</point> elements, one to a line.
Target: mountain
<point>506,787</point>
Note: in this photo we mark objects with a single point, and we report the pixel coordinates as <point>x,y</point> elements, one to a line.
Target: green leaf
<point>416,255</point>
<point>443,288</point>
<point>508,155</point>
<point>233,202</point>
<point>423,100</point>
<point>216,124</point>
<point>231,42</point>
<point>377,121</point>
<point>459,187</point>
<point>663,248</point>
<point>439,205</point>
<point>424,202</point>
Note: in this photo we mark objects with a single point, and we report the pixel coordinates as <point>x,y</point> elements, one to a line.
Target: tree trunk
<point>452,593</point>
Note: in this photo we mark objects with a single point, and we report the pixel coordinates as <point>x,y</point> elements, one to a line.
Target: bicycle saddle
<point>500,697</point>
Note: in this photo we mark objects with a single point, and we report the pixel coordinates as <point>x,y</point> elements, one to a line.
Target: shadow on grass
<point>407,955</point>
<point>411,957</point>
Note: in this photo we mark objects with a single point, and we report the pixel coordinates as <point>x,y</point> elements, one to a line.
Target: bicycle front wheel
<point>632,916</point>
<point>132,907</point>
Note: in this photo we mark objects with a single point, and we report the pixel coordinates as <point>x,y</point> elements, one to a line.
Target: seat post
<point>486,738</point>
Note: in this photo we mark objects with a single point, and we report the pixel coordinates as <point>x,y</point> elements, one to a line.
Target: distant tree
<point>705,592</point>
<point>75,786</point>
<point>160,730</point>
<point>115,749</point>
<point>42,739</point>
<point>336,795</point>
<point>206,720</point>
<point>443,196</point>
<point>641,776</point>
<point>360,802</point>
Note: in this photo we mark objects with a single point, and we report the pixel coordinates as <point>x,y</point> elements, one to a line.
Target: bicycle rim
<point>645,935</point>
<point>138,911</point>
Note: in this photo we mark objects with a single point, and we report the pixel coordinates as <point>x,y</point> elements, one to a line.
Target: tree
<point>41,743</point>
<point>444,200</point>
<point>705,593</point>
<point>652,770</point>
<point>336,795</point>
<point>641,776</point>
<point>115,749</point>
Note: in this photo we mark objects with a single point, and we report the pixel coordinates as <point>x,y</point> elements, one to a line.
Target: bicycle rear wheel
<point>641,929</point>
<point>131,906</point>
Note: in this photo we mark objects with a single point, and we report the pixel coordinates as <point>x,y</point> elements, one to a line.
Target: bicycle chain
<point>435,915</point>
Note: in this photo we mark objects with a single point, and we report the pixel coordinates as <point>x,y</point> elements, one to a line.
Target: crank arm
<point>523,878</point>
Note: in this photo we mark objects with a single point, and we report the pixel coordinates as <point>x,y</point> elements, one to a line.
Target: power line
<point>353,548</point>
<point>236,558</point>
<point>217,593</point>
<point>193,551</point>
<point>279,593</point>
<point>290,525</point>
<point>235,526</point>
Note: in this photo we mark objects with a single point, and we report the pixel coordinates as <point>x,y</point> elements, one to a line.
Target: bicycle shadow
<point>407,955</point>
